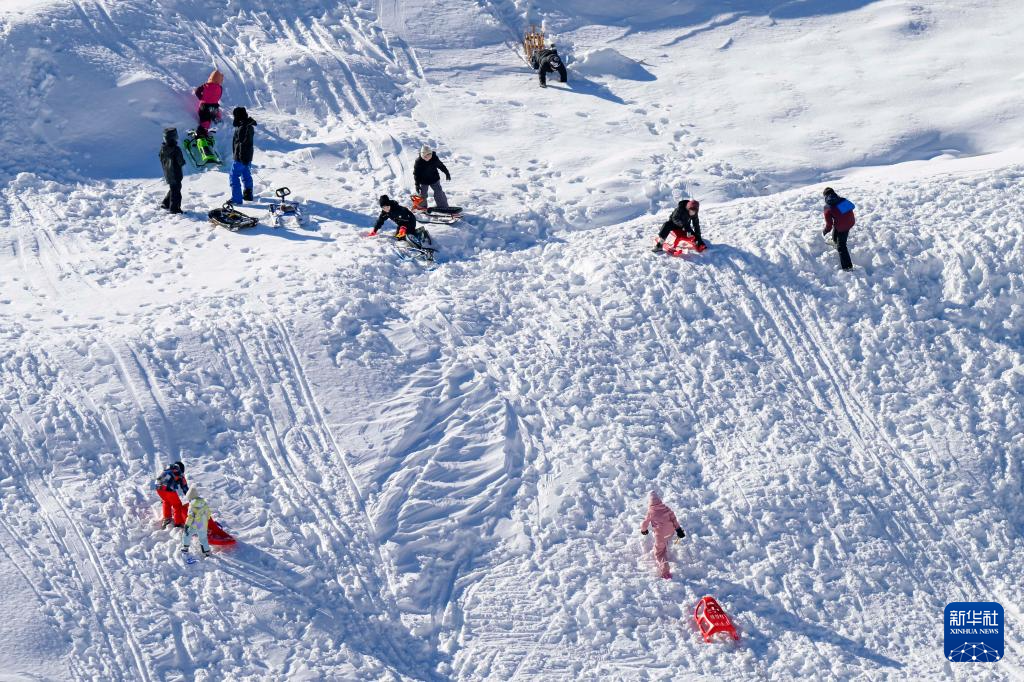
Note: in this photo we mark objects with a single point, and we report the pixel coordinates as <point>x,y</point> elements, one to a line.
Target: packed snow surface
<point>439,473</point>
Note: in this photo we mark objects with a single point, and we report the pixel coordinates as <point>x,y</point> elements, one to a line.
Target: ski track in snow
<point>440,474</point>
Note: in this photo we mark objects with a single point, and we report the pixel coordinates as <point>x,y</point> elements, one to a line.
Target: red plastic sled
<point>216,535</point>
<point>677,249</point>
<point>711,619</point>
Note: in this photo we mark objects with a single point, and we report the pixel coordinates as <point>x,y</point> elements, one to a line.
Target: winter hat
<point>693,205</point>
<point>384,200</point>
<point>170,135</point>
<point>193,494</point>
<point>240,114</point>
<point>655,498</point>
<point>179,466</point>
<point>828,191</point>
<point>216,77</point>
<point>425,149</point>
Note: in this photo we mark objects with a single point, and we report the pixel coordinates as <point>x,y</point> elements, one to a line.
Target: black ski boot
<point>206,552</point>
<point>247,194</point>
<point>658,248</point>
<point>167,522</point>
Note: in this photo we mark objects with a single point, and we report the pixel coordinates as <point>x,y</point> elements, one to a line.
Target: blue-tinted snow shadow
<point>738,600</point>
<point>567,15</point>
<point>584,86</point>
<point>374,634</point>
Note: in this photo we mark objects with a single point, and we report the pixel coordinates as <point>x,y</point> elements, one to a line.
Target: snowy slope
<point>439,474</point>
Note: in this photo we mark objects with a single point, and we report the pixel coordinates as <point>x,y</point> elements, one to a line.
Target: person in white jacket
<point>197,522</point>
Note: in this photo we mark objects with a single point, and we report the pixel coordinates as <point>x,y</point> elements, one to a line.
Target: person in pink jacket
<point>209,94</point>
<point>662,520</point>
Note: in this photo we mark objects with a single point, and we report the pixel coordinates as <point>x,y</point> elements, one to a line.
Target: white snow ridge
<point>439,471</point>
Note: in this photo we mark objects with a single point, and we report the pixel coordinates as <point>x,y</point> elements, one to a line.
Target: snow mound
<point>608,61</point>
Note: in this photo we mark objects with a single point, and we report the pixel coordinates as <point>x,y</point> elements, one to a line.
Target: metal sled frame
<point>282,209</point>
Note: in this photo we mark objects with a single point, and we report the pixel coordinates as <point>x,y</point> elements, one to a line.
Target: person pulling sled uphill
<point>172,161</point>
<point>209,94</point>
<point>399,215</point>
<point>547,61</point>
<point>197,523</point>
<point>426,173</point>
<point>242,152</point>
<point>684,223</point>
<point>839,219</point>
<point>662,521</point>
<point>169,485</point>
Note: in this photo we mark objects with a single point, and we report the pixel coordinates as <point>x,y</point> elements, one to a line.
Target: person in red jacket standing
<point>839,219</point>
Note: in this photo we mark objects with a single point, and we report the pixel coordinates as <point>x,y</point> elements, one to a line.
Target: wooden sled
<point>532,42</point>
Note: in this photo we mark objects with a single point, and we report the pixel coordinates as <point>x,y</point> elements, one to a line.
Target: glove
<point>680,533</point>
<point>824,233</point>
<point>700,245</point>
<point>447,177</point>
<point>644,532</point>
<point>373,233</point>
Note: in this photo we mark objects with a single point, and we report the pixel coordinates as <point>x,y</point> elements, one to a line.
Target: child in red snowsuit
<point>170,485</point>
<point>209,94</point>
<point>663,521</point>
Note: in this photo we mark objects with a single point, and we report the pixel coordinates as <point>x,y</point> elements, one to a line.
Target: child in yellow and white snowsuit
<point>196,523</point>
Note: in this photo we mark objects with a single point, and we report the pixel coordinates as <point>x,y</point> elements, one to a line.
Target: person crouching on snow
<point>198,519</point>
<point>169,486</point>
<point>684,222</point>
<point>662,521</point>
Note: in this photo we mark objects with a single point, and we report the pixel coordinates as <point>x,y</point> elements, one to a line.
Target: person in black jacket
<point>241,151</point>
<point>399,215</point>
<point>685,222</point>
<point>547,61</point>
<point>426,173</point>
<point>172,161</point>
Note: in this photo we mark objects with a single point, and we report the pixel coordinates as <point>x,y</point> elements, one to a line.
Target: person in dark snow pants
<point>547,61</point>
<point>172,161</point>
<point>685,222</point>
<point>839,224</point>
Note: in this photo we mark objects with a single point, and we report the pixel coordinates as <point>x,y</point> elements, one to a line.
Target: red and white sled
<point>682,245</point>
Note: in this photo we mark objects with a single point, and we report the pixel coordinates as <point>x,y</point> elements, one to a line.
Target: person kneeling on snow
<point>547,61</point>
<point>172,161</point>
<point>198,519</point>
<point>169,485</point>
<point>399,215</point>
<point>684,222</point>
<point>426,173</point>
<point>241,151</point>
<point>662,521</point>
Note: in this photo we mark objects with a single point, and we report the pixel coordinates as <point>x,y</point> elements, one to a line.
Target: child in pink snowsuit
<point>209,94</point>
<point>663,521</point>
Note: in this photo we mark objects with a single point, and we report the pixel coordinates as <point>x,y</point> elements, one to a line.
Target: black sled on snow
<point>229,217</point>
